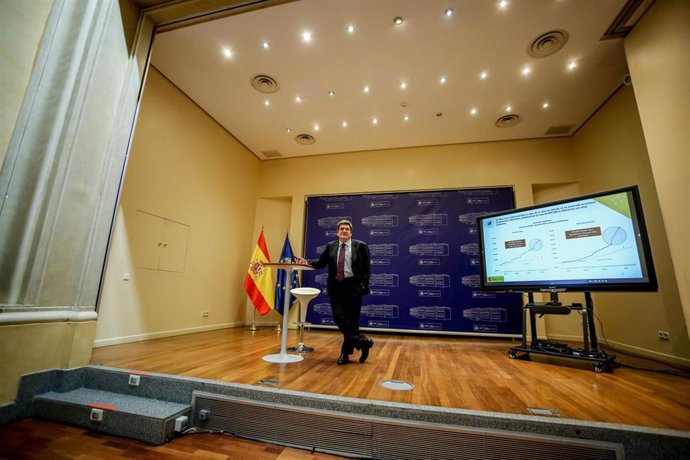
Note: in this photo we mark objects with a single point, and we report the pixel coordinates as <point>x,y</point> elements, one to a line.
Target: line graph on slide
<point>534,245</point>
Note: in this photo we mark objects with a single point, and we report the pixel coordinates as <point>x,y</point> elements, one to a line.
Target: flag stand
<point>253,326</point>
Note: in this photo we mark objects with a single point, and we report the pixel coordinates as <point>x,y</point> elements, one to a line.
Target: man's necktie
<point>340,274</point>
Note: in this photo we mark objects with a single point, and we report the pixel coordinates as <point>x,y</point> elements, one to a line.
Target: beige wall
<point>610,152</point>
<point>184,167</point>
<point>21,29</point>
<point>27,348</point>
<point>518,163</point>
<point>657,51</point>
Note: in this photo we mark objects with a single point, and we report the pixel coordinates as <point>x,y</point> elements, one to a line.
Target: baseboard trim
<point>159,335</point>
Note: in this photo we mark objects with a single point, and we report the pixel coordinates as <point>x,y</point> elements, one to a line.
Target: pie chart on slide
<point>614,236</point>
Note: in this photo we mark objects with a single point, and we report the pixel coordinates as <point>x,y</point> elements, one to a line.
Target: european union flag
<point>281,279</point>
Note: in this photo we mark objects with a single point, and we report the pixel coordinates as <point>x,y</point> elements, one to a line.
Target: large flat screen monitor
<point>596,242</point>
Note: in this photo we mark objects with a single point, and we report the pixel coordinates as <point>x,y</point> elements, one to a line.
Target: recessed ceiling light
<point>288,130</point>
<point>509,108</point>
<point>350,28</point>
<point>227,53</point>
<point>403,85</point>
<point>473,111</point>
<point>267,102</point>
<point>306,36</point>
<point>484,75</point>
<point>344,124</point>
<point>572,65</point>
<point>545,105</point>
<point>331,93</point>
<point>526,70</point>
<point>298,99</point>
<point>265,45</point>
<point>397,20</point>
<point>439,114</point>
<point>503,4</point>
<point>442,80</point>
<point>366,89</point>
<point>406,118</point>
<point>316,127</point>
<point>448,12</point>
<point>375,121</point>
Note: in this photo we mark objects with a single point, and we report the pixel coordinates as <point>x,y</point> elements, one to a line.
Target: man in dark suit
<point>349,270</point>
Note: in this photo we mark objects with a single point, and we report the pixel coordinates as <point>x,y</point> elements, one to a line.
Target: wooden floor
<point>449,372</point>
<point>445,371</point>
<point>43,440</point>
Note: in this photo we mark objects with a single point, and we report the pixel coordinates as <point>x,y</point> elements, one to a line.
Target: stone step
<point>149,420</point>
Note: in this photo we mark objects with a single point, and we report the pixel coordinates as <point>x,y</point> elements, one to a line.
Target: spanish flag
<point>259,283</point>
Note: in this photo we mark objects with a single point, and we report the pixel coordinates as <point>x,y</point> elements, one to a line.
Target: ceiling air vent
<point>305,139</point>
<point>264,84</point>
<point>556,130</point>
<point>271,154</point>
<point>548,43</point>
<point>506,121</point>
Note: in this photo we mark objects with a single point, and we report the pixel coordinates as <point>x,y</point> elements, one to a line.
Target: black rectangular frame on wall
<point>424,260</point>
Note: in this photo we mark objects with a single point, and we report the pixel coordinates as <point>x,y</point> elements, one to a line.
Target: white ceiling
<point>478,37</point>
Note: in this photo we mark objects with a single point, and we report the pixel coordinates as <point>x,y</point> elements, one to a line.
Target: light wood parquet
<point>33,439</point>
<point>456,372</point>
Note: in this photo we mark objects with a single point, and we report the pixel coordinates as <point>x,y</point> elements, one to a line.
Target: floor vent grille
<point>382,438</point>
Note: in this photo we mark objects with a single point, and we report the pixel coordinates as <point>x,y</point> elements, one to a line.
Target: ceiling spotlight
<point>473,111</point>
<point>403,85</point>
<point>397,20</point>
<point>288,130</point>
<point>442,80</point>
<point>267,102</point>
<point>331,93</point>
<point>484,75</point>
<point>375,121</point>
<point>366,89</point>
<point>227,52</point>
<point>406,118</point>
<point>265,45</point>
<point>572,65</point>
<point>503,4</point>
<point>403,104</point>
<point>298,99</point>
<point>344,124</point>
<point>526,70</point>
<point>509,108</point>
<point>350,28</point>
<point>449,12</point>
<point>316,127</point>
<point>545,105</point>
<point>439,114</point>
<point>306,36</point>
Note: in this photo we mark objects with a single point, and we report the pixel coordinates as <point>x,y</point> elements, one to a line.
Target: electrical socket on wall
<point>134,380</point>
<point>664,335</point>
<point>204,314</point>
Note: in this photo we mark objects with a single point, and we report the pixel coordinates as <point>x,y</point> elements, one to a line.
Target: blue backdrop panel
<point>424,260</point>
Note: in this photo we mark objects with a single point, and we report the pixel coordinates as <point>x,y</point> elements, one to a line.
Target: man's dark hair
<point>344,222</point>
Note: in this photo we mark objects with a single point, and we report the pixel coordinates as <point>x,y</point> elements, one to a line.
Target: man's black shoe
<point>365,346</point>
<point>343,359</point>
